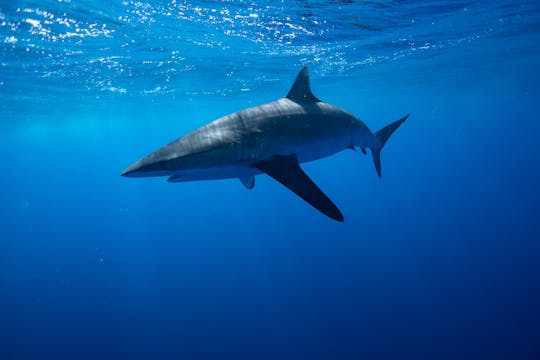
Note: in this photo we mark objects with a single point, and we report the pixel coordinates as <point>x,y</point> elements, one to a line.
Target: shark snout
<point>144,168</point>
<point>132,170</point>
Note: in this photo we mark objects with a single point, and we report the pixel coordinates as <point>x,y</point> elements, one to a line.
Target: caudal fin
<point>382,136</point>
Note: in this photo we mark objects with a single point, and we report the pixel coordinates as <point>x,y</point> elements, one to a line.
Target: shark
<point>273,139</point>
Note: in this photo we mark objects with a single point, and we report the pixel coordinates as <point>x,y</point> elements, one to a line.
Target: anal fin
<point>286,170</point>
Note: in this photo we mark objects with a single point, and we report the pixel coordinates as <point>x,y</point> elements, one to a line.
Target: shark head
<point>157,163</point>
<point>201,149</point>
<point>146,167</point>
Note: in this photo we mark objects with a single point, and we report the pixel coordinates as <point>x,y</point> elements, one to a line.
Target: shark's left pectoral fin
<point>288,172</point>
<point>176,178</point>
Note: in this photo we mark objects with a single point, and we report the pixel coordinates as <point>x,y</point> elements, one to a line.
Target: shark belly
<point>320,149</point>
<point>214,173</point>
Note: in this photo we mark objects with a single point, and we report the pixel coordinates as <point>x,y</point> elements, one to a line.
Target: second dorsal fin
<point>300,91</point>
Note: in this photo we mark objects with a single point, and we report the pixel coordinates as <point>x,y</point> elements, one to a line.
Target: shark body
<point>272,138</point>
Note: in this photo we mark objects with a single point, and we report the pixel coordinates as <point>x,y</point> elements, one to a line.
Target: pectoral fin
<point>176,178</point>
<point>287,171</point>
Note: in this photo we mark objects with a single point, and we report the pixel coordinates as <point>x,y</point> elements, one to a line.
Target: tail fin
<point>383,135</point>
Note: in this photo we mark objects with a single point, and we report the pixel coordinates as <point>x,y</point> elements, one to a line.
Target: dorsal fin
<point>300,91</point>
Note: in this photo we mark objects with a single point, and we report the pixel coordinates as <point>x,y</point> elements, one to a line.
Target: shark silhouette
<point>273,138</point>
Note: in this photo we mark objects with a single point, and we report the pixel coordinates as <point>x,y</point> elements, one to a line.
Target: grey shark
<point>273,139</point>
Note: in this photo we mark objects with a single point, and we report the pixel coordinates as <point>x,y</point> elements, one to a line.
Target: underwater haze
<point>438,259</point>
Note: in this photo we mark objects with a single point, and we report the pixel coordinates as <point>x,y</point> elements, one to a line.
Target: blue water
<point>439,259</point>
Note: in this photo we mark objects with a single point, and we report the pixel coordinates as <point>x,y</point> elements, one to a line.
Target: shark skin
<point>273,138</point>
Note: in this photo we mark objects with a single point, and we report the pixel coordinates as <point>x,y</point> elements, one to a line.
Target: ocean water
<point>439,259</point>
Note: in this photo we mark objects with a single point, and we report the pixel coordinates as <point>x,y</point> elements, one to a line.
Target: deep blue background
<point>438,259</point>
